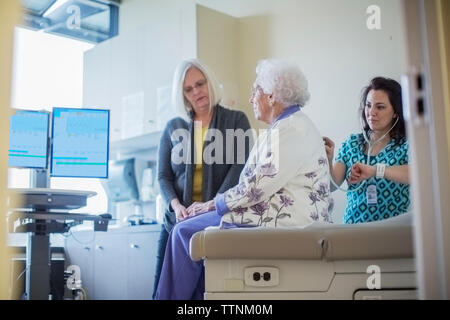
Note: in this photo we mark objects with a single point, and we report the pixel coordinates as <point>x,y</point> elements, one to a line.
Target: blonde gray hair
<point>180,103</point>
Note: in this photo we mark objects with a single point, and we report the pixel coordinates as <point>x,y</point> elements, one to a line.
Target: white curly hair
<point>284,80</point>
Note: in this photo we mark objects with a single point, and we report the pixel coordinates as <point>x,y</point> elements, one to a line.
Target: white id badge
<point>371,194</point>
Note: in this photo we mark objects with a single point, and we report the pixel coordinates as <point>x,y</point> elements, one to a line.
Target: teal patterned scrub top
<point>392,197</point>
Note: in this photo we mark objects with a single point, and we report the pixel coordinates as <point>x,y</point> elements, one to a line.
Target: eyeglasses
<point>255,90</point>
<point>199,84</point>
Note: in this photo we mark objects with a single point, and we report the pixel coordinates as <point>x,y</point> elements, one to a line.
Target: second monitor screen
<point>80,143</point>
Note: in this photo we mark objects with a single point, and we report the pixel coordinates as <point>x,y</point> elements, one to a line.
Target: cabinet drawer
<point>110,276</point>
<point>141,257</point>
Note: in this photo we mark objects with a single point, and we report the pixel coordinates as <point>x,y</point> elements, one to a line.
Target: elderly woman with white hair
<point>284,183</point>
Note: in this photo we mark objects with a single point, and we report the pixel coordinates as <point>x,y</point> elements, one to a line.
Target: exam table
<point>320,261</point>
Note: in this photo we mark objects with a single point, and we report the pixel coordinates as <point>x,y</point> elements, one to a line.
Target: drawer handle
<point>87,248</point>
<point>134,246</point>
<point>99,247</point>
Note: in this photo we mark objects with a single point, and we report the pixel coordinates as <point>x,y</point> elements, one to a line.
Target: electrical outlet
<point>261,276</point>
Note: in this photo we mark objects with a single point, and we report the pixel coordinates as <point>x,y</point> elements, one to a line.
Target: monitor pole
<point>38,257</point>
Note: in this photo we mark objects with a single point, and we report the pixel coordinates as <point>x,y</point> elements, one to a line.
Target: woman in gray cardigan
<point>204,125</point>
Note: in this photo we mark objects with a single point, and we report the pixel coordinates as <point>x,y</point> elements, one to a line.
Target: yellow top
<point>198,171</point>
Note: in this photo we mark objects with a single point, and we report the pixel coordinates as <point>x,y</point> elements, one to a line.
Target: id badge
<point>371,194</point>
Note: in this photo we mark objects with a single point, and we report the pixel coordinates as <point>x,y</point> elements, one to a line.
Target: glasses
<point>199,84</point>
<point>255,89</point>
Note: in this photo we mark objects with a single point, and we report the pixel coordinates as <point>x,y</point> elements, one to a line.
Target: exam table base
<point>313,279</point>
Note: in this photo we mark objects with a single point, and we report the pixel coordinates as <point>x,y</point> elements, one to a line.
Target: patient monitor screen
<point>80,143</point>
<point>28,138</point>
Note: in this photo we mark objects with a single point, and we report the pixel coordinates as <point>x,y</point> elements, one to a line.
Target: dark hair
<point>394,91</point>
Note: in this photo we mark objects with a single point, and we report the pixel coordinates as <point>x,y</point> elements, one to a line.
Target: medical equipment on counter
<point>43,211</point>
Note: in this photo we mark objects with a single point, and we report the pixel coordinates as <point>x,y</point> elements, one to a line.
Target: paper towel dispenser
<point>121,184</point>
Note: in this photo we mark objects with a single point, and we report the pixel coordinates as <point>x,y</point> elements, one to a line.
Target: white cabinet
<point>141,259</point>
<point>118,264</point>
<point>110,269</point>
<point>127,94</point>
<point>125,74</point>
<point>97,84</point>
<point>79,249</point>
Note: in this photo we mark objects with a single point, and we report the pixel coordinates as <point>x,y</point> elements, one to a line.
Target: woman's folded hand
<point>200,207</point>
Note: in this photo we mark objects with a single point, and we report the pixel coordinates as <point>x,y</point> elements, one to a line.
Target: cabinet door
<point>97,82</point>
<point>142,248</point>
<point>127,82</point>
<point>79,249</point>
<point>110,266</point>
<point>97,76</point>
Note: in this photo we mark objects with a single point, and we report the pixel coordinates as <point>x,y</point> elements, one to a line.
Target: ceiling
<point>87,20</point>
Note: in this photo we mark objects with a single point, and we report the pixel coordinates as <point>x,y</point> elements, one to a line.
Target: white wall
<point>217,47</point>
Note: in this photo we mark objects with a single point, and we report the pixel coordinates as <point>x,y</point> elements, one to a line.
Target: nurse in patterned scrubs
<point>384,192</point>
<point>285,181</point>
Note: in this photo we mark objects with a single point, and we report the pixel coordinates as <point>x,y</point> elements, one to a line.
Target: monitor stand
<point>37,215</point>
<point>39,178</point>
<point>38,254</point>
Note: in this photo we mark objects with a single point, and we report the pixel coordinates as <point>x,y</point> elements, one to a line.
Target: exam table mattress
<point>318,261</point>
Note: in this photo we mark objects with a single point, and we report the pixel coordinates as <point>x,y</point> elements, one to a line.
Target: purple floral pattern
<point>319,193</point>
<point>252,205</point>
<point>259,209</point>
<point>254,175</point>
<point>323,161</point>
<point>240,210</point>
<point>314,216</point>
<point>311,175</point>
<point>254,194</point>
<point>268,170</point>
<point>285,201</point>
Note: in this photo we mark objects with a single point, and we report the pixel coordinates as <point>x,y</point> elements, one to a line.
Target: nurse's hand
<point>329,149</point>
<point>361,172</point>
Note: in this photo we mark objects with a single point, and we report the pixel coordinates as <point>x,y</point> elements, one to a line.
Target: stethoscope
<point>369,151</point>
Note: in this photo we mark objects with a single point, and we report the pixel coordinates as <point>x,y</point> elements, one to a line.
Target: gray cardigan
<point>175,180</point>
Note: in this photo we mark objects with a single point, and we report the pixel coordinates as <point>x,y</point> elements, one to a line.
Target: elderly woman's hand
<point>200,207</point>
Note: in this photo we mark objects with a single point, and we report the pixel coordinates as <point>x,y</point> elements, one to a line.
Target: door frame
<point>426,56</point>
